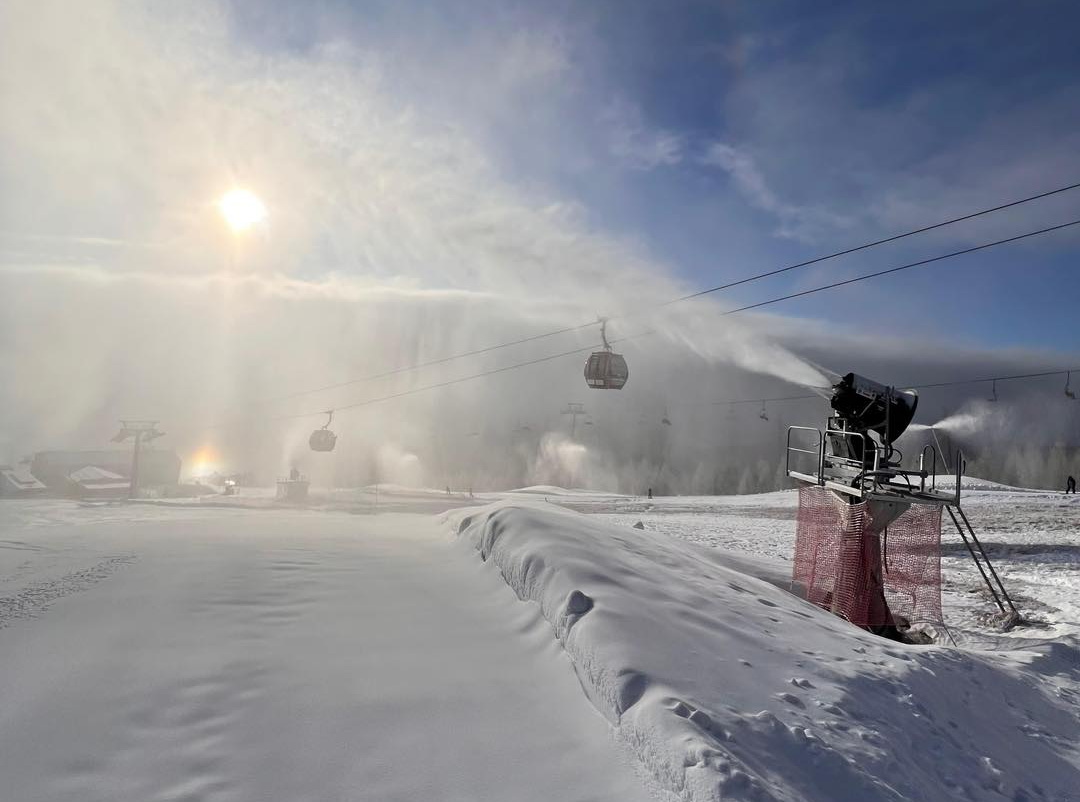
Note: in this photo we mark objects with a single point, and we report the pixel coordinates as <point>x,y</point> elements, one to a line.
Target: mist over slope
<point>391,240</point>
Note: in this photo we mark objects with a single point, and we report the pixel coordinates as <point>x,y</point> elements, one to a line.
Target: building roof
<point>20,477</point>
<point>98,478</point>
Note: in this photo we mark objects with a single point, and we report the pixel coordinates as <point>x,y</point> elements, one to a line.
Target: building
<point>18,482</point>
<point>96,482</point>
<point>156,466</point>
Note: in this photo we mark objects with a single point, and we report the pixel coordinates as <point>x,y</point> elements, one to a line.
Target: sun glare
<point>204,461</point>
<point>241,209</point>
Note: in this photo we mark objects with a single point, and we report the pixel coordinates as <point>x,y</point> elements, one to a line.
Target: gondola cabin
<point>323,439</point>
<point>606,370</point>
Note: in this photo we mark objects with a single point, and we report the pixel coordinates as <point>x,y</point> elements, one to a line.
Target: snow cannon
<point>868,536</point>
<point>868,406</point>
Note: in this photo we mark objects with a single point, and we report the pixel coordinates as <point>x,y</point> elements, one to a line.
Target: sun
<point>204,461</point>
<point>241,209</point>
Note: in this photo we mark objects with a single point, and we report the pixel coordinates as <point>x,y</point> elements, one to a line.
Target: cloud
<point>805,223</point>
<point>637,146</point>
<point>393,237</point>
<point>390,239</point>
<point>831,119</point>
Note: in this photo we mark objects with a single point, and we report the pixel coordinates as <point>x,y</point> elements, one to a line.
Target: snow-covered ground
<point>727,686</point>
<point>1032,537</point>
<point>162,653</point>
<point>235,648</point>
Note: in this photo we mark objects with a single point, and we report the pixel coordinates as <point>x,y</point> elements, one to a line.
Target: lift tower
<point>142,431</point>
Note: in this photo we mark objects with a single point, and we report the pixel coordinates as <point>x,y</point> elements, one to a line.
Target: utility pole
<point>574,409</point>
<point>142,431</point>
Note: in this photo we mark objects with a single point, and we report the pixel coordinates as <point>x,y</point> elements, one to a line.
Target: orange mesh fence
<point>869,579</point>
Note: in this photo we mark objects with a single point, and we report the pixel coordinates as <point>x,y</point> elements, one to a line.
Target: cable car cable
<point>447,383</point>
<point>648,332</point>
<point>698,294</point>
<point>868,245</point>
<point>932,385</point>
<point>427,364</point>
<point>908,266</point>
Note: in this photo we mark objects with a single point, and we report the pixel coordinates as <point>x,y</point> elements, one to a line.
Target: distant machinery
<point>323,439</point>
<point>294,488</point>
<point>606,370</point>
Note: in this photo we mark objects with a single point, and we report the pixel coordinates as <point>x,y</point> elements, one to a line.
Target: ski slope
<point>728,687</point>
<point>1032,536</point>
<point>157,653</point>
<point>413,645</point>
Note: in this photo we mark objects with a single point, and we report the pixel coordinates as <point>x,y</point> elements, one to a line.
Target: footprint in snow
<point>791,699</point>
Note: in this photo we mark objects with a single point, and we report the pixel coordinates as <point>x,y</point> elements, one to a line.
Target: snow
<point>727,686</point>
<point>98,477</point>
<point>1032,537</point>
<point>552,490</point>
<point>162,653</point>
<point>424,647</point>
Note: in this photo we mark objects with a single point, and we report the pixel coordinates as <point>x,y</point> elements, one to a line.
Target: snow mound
<point>728,687</point>
<point>554,490</point>
<point>975,483</point>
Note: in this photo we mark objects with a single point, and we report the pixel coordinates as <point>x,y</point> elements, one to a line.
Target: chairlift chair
<point>993,389</point>
<point>763,414</point>
<point>323,439</point>
<point>606,370</point>
<point>1069,393</point>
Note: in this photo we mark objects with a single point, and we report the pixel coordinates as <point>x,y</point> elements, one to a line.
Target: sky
<point>729,138</point>
<point>439,177</point>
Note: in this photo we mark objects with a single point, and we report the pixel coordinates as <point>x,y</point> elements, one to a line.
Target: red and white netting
<point>844,565</point>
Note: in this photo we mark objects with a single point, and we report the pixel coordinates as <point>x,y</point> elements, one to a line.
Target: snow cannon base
<point>877,567</point>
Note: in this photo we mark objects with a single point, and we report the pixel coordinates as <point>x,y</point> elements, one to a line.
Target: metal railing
<point>817,453</point>
<point>859,477</point>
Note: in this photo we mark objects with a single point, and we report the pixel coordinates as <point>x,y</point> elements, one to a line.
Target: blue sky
<point>730,138</point>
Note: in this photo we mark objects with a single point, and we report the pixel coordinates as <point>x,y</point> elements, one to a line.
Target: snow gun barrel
<point>867,405</point>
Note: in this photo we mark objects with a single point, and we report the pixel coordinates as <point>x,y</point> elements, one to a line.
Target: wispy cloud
<point>636,145</point>
<point>805,223</point>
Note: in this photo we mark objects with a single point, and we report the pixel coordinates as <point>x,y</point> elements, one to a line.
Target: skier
<point>1070,486</point>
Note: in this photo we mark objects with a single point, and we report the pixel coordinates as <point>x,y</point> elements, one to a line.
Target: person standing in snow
<point>1070,486</point>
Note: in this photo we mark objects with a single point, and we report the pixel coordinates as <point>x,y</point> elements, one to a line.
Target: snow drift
<point>726,686</point>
